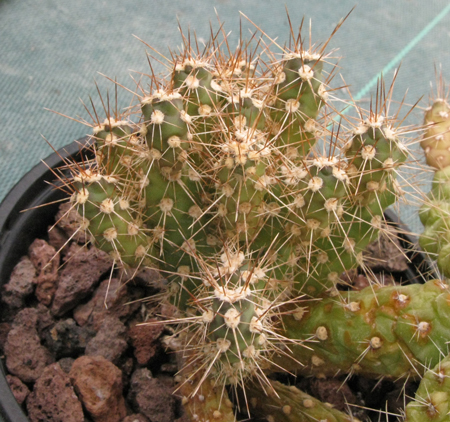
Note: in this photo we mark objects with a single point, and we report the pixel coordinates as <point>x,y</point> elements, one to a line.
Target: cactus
<point>434,214</point>
<point>289,404</point>
<point>238,185</point>
<point>431,402</point>
<point>376,331</point>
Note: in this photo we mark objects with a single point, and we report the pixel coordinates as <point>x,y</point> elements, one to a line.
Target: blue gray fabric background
<point>52,51</point>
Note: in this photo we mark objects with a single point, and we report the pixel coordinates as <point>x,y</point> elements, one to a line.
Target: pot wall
<point>18,229</point>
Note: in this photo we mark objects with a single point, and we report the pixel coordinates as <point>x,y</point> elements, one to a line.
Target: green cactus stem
<point>435,216</point>
<point>227,178</point>
<point>113,218</point>
<point>436,138</point>
<point>434,213</point>
<point>281,403</point>
<point>207,402</point>
<point>432,399</point>
<point>389,331</point>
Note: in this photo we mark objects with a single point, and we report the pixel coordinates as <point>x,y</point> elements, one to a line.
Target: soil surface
<point>75,350</point>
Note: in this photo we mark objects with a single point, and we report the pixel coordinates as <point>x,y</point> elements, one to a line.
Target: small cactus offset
<point>232,178</point>
<point>289,404</point>
<point>434,214</point>
<point>432,402</point>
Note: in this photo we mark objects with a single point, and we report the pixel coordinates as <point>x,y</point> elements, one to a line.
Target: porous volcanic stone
<point>333,391</point>
<point>66,364</point>
<point>18,388</point>
<point>110,298</point>
<point>41,254</point>
<point>98,384</point>
<point>4,330</point>
<point>386,253</point>
<point>53,398</point>
<point>67,339</point>
<point>144,339</point>
<point>69,221</point>
<point>46,261</point>
<point>58,239</point>
<point>45,319</point>
<point>25,356</point>
<point>20,284</point>
<point>110,340</point>
<point>136,418</point>
<point>81,273</point>
<point>152,397</point>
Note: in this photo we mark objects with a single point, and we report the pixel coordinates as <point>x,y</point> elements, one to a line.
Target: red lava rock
<point>386,253</point>
<point>46,261</point>
<point>333,391</point>
<point>18,388</point>
<point>46,286</point>
<point>53,398</point>
<point>98,384</point>
<point>136,418</point>
<point>126,366</point>
<point>58,239</point>
<point>66,338</point>
<point>79,276</point>
<point>47,282</point>
<point>110,298</point>
<point>20,285</point>
<point>25,356</point>
<point>169,368</point>
<point>146,277</point>
<point>185,418</point>
<point>347,278</point>
<point>151,397</point>
<point>144,340</point>
<point>66,364</point>
<point>385,279</point>
<point>68,220</point>
<point>42,255</point>
<point>4,330</point>
<point>45,319</point>
<point>110,341</point>
<point>360,282</point>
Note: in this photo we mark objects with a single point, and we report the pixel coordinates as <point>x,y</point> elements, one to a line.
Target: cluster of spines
<point>432,399</point>
<point>220,186</point>
<point>436,138</point>
<point>434,214</point>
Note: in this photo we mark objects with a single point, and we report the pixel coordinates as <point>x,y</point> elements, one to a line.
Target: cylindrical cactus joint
<point>229,180</point>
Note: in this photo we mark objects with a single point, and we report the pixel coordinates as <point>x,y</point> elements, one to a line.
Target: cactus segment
<point>431,401</point>
<point>209,402</point>
<point>435,216</point>
<point>113,220</point>
<point>229,177</point>
<point>282,403</point>
<point>374,153</point>
<point>299,95</point>
<point>436,138</point>
<point>231,319</point>
<point>117,143</point>
<point>388,331</point>
<point>434,213</point>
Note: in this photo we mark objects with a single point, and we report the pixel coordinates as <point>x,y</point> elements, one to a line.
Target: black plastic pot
<point>18,229</point>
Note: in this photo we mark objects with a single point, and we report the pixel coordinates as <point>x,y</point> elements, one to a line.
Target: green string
<point>403,52</point>
<point>366,89</point>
